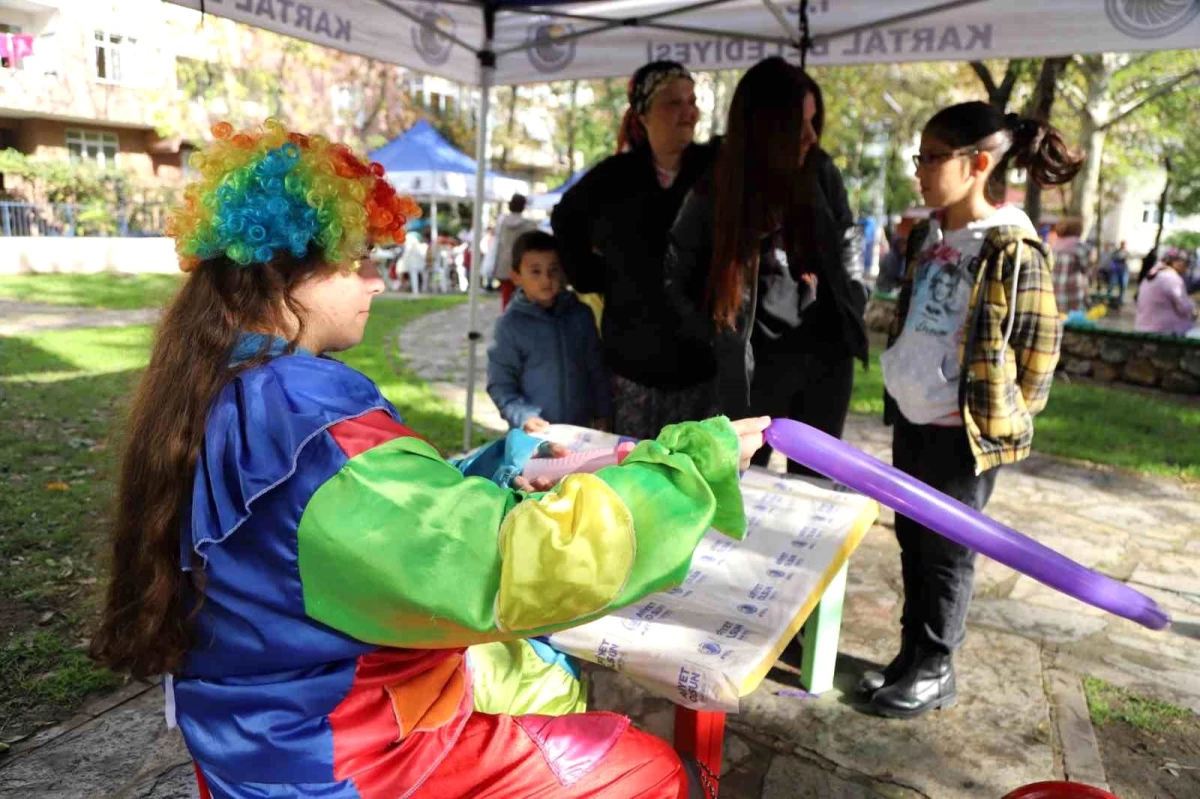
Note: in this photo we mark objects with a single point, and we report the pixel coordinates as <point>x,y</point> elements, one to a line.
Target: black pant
<point>807,387</point>
<point>938,573</point>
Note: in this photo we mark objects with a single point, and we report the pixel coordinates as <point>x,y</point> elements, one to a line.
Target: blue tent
<point>421,163</point>
<point>550,199</point>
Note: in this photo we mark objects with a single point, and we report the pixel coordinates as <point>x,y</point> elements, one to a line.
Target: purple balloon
<point>950,518</point>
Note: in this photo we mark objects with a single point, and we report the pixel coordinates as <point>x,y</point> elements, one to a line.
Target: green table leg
<point>821,636</point>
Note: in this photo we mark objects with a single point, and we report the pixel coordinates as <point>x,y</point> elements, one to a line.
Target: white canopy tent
<point>500,42</point>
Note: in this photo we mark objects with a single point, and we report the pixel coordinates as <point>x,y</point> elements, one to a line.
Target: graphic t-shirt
<point>921,370</point>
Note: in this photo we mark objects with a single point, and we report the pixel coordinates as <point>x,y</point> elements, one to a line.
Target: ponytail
<point>632,133</point>
<point>1030,144</point>
<point>1038,148</point>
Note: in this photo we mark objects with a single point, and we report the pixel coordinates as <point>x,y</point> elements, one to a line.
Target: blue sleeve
<point>504,378</point>
<point>599,382</point>
<point>501,460</point>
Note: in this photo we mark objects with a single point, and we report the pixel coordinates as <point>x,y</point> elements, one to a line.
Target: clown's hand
<point>547,449</point>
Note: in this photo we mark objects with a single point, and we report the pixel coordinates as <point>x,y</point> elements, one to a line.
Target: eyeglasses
<point>931,159</point>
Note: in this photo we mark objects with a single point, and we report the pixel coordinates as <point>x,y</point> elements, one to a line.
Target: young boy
<point>545,365</point>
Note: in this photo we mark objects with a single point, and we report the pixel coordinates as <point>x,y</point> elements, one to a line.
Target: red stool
<point>701,734</point>
<point>201,785</point>
<point>1059,790</point>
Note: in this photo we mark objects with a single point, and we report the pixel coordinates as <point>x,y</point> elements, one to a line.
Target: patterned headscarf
<point>651,79</point>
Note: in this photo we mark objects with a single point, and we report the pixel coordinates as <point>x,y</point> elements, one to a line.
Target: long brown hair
<point>146,625</point>
<point>758,182</point>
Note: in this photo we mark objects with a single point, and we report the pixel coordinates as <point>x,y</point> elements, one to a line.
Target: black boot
<point>872,681</point>
<point>926,685</point>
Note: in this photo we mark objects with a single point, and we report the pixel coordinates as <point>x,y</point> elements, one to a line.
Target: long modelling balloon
<point>904,494</point>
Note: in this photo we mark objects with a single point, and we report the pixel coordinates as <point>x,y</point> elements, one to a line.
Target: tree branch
<point>1132,106</point>
<point>1010,77</point>
<point>985,75</point>
<point>369,120</point>
<point>1073,95</point>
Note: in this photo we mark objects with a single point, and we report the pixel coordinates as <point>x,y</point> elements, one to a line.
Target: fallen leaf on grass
<point>46,617</point>
<point>57,486</point>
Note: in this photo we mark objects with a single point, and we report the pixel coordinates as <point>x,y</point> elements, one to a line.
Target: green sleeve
<point>399,549</point>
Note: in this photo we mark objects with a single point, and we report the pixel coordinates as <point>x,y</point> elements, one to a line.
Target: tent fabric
<point>421,163</point>
<point>550,198</point>
<point>538,42</point>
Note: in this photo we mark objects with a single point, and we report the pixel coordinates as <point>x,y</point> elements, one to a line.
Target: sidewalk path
<point>18,318</point>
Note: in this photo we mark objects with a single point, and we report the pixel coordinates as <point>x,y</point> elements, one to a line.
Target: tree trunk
<point>1043,103</point>
<point>612,95</point>
<point>571,127</point>
<point>1163,201</point>
<point>723,92</point>
<point>1098,71</point>
<point>508,129</point>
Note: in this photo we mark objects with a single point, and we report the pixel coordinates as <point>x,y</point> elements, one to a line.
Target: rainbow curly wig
<point>266,192</point>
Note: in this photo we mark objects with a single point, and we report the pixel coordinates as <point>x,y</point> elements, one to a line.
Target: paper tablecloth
<point>713,639</point>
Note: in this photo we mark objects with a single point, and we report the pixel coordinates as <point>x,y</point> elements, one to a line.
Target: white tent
<point>491,42</point>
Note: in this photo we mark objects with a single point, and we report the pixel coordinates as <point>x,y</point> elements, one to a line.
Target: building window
<point>96,146</point>
<point>114,57</point>
<point>1150,214</point>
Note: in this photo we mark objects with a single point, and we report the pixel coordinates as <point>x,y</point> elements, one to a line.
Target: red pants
<point>506,291</point>
<point>578,756</point>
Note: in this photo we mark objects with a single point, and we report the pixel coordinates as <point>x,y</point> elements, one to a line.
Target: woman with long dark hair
<point>308,572</point>
<point>969,363</point>
<point>769,244</point>
<point>612,227</point>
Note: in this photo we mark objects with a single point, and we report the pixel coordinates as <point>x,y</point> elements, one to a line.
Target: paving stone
<point>1035,622</point>
<point>790,778</point>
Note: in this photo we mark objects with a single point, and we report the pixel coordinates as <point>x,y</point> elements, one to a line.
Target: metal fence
<point>78,219</point>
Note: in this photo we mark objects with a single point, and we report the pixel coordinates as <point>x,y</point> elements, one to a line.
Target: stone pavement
<point>17,318</point>
<point>1018,719</point>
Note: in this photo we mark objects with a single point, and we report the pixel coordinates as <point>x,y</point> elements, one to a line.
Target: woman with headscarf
<point>771,238</point>
<point>612,227</point>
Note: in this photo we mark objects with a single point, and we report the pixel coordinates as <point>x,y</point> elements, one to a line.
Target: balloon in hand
<point>950,518</point>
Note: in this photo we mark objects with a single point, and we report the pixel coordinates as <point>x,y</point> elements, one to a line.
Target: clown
<point>309,572</point>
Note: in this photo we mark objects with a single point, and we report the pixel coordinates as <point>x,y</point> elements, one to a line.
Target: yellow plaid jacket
<point>1005,382</point>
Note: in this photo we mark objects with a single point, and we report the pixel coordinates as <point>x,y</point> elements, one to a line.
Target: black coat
<point>612,233</point>
<point>777,309</point>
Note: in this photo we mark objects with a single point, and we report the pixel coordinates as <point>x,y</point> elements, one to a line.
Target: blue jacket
<point>547,363</point>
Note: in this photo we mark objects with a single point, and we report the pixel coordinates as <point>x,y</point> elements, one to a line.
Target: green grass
<point>1104,424</point>
<point>1106,703</point>
<point>110,291</point>
<point>60,392</point>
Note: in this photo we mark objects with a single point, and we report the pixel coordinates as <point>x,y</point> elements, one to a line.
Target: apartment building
<point>84,80</point>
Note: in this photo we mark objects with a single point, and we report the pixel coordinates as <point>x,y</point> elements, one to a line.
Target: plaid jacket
<point>1005,383</point>
<point>1070,283</point>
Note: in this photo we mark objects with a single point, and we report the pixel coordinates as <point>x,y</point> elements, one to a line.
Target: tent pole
<point>487,70</point>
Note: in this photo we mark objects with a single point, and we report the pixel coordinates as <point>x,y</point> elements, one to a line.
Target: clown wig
<point>269,192</point>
